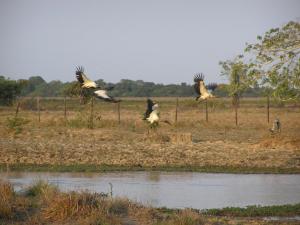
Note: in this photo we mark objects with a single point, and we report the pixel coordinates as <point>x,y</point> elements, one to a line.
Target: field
<point>44,137</point>
<point>42,203</point>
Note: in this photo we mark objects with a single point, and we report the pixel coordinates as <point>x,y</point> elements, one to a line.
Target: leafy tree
<point>240,77</point>
<point>9,90</point>
<point>277,56</point>
<point>32,84</point>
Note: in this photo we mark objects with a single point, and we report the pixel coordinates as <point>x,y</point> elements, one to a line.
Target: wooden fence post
<point>65,108</point>
<point>268,109</point>
<point>236,102</point>
<point>38,108</point>
<point>119,113</point>
<point>176,111</point>
<point>206,110</point>
<point>17,109</point>
<point>91,124</point>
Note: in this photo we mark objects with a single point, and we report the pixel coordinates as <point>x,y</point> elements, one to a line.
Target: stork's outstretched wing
<point>102,94</point>
<point>197,78</point>
<point>212,86</point>
<point>149,108</point>
<point>83,79</point>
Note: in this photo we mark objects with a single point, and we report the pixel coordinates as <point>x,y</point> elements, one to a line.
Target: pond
<point>176,189</point>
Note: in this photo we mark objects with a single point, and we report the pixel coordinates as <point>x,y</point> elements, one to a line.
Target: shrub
<point>16,124</point>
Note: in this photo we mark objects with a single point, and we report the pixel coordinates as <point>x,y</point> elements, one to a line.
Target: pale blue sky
<point>164,41</point>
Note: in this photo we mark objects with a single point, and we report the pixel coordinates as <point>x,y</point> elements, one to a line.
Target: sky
<point>161,41</point>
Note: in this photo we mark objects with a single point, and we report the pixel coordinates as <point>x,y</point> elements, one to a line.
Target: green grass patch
<point>167,168</point>
<point>256,211</point>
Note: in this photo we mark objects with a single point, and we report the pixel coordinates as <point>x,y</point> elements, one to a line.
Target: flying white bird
<point>204,92</point>
<point>83,79</point>
<point>87,83</point>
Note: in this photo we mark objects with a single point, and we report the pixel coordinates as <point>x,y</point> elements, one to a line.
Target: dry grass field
<point>190,143</point>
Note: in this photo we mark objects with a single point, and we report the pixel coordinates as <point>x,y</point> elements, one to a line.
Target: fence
<point>66,105</point>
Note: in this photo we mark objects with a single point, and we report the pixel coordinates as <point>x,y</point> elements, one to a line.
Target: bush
<point>16,124</point>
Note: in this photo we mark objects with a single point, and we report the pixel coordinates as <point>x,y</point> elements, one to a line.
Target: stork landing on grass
<point>204,92</point>
<point>152,114</point>
<point>85,82</point>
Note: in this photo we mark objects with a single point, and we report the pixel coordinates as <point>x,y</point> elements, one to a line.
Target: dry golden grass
<point>6,199</point>
<point>72,205</point>
<point>190,142</point>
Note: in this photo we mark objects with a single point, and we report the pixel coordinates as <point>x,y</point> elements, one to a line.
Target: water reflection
<point>177,189</point>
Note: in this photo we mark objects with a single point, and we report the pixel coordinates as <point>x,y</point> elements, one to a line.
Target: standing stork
<point>85,82</point>
<point>204,92</point>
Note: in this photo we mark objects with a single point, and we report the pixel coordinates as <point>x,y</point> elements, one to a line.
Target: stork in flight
<point>204,92</point>
<point>87,83</point>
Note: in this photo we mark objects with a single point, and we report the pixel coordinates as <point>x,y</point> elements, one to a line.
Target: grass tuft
<point>40,188</point>
<point>6,199</point>
<point>119,207</point>
<point>72,205</point>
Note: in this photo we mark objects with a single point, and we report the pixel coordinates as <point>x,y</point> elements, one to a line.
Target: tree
<point>9,90</point>
<point>277,56</point>
<point>240,77</point>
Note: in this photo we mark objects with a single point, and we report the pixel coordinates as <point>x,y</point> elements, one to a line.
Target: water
<point>177,189</point>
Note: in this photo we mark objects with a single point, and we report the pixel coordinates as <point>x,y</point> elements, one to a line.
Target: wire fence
<point>66,105</point>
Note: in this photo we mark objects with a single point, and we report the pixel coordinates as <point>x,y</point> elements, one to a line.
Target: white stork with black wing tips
<point>87,83</point>
<point>204,92</point>
<point>83,79</point>
<point>152,113</point>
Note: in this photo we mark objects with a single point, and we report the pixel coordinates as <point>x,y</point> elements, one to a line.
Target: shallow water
<point>177,189</point>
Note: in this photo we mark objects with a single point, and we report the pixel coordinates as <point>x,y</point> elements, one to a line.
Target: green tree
<point>277,56</point>
<point>9,90</point>
<point>240,76</point>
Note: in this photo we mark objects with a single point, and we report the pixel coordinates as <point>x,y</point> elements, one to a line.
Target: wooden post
<point>236,105</point>
<point>92,114</point>
<point>206,110</point>
<point>119,113</point>
<point>236,114</point>
<point>65,108</point>
<point>176,111</point>
<point>17,109</point>
<point>268,109</point>
<point>38,108</point>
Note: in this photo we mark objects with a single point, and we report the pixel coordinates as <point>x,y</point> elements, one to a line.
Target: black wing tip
<point>79,69</point>
<point>212,86</point>
<point>198,77</point>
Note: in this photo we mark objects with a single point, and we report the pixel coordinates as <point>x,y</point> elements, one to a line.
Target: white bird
<point>151,114</point>
<point>87,83</point>
<point>200,87</point>
<point>83,79</point>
